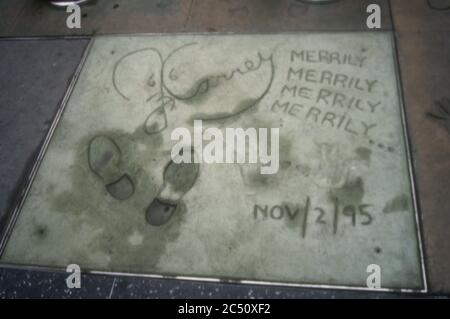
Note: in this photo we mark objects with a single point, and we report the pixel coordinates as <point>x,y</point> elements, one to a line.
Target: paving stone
<point>425,65</point>
<point>35,77</point>
<point>421,15</point>
<point>37,18</point>
<point>108,197</point>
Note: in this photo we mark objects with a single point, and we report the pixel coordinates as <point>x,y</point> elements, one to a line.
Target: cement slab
<point>341,201</point>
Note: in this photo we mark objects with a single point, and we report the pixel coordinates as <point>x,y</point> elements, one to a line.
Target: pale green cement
<point>233,222</point>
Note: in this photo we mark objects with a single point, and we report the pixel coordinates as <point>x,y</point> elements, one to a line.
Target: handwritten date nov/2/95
<point>308,214</point>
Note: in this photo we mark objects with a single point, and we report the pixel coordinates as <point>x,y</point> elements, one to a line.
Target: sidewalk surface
<point>36,72</point>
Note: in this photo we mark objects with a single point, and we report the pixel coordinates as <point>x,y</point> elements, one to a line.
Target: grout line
<point>112,288</point>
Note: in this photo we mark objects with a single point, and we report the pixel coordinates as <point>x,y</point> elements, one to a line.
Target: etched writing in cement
<point>108,197</point>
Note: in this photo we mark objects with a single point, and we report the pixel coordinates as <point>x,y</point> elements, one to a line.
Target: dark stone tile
<point>30,18</point>
<point>20,283</point>
<point>37,18</point>
<point>35,77</point>
<point>425,67</point>
<point>132,287</point>
<point>282,15</point>
<point>421,15</point>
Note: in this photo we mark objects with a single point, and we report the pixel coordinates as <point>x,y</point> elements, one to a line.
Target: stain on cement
<point>89,201</point>
<point>256,179</point>
<point>399,203</point>
<point>285,148</point>
<point>41,231</point>
<point>251,173</point>
<point>285,164</point>
<point>304,169</point>
<point>352,192</point>
<point>364,153</point>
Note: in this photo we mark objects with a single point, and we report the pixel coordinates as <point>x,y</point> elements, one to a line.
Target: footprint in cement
<point>178,180</point>
<point>104,157</point>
